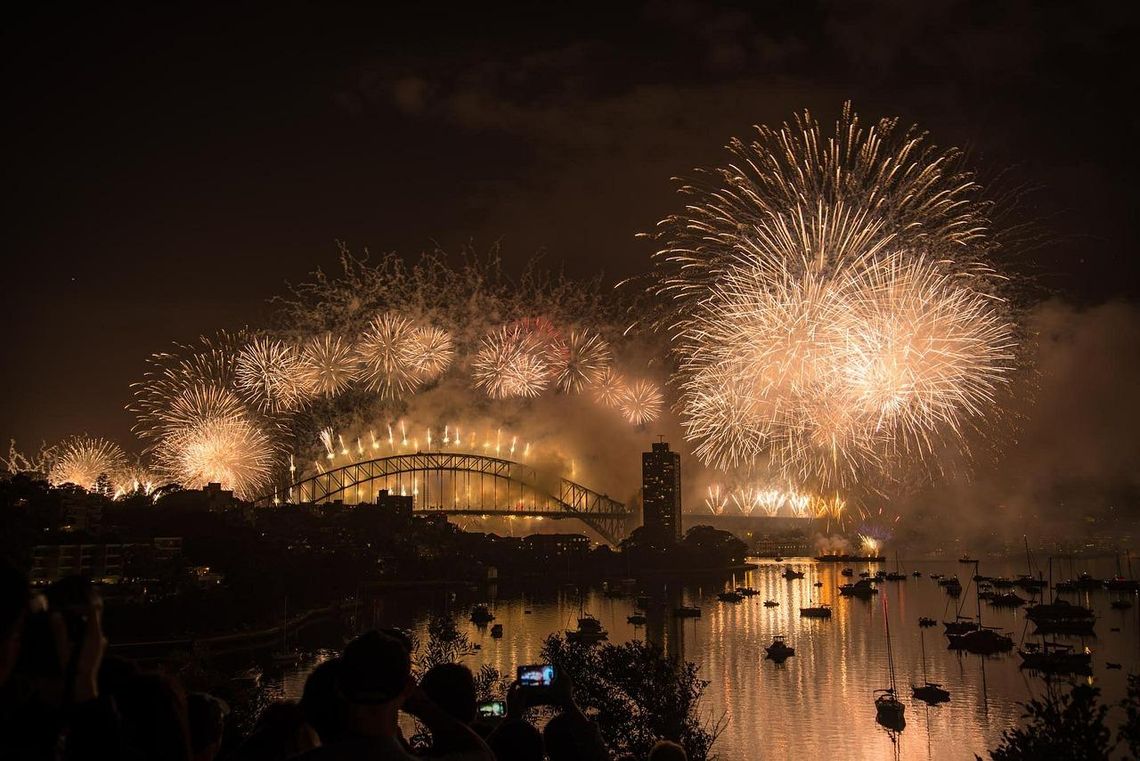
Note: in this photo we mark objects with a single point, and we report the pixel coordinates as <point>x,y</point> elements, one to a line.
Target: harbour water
<point>818,704</point>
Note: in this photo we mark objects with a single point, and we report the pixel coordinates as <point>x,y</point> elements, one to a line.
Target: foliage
<point>637,694</point>
<point>1130,730</point>
<point>1060,727</point>
<point>447,644</point>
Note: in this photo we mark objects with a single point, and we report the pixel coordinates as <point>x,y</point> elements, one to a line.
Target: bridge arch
<point>456,483</point>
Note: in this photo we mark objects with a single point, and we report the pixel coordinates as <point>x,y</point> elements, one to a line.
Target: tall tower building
<point>661,493</point>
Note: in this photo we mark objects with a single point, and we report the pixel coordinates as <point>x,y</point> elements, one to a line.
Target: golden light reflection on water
<point>818,704</point>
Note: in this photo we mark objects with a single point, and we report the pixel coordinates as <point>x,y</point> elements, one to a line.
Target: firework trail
<point>834,311</point>
<point>330,364</point>
<point>86,461</point>
<point>715,501</point>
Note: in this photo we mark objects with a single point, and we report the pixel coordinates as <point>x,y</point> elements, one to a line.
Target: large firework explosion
<point>835,313</point>
<point>354,353</point>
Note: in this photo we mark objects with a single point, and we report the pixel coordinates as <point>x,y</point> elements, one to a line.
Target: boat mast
<point>1028,557</point>
<point>978,595</point>
<point>890,653</point>
<point>285,627</point>
<point>922,642</point>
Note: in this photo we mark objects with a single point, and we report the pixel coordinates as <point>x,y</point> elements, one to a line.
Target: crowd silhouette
<point>63,697</point>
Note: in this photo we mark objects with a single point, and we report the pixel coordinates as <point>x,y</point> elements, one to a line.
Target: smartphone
<point>492,709</point>
<point>537,675</point>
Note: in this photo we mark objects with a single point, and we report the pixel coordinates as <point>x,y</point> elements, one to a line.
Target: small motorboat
<point>1055,658</point>
<point>687,611</point>
<point>967,559</point>
<point>637,618</point>
<point>497,631</point>
<point>983,641</point>
<point>771,604</point>
<point>818,584</point>
<point>816,611</point>
<point>863,588</point>
<point>731,596</point>
<point>916,574</point>
<point>779,651</point>
<point>747,591</point>
<point>937,576</point>
<point>1007,600</point>
<point>1029,583</point>
<point>1109,665</point>
<point>864,574</point>
<point>1085,581</point>
<point>778,559</point>
<point>960,625</point>
<point>926,623</point>
<point>589,630</point>
<point>1121,584</point>
<point>847,572</point>
<point>481,615</point>
<point>791,573</point>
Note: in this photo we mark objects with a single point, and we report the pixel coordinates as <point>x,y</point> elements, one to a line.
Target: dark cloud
<point>169,169</point>
<point>1071,466</point>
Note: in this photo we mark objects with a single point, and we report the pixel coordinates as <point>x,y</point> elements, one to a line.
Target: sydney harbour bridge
<point>451,483</point>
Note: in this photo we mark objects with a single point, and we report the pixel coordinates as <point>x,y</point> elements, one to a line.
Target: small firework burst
<point>609,388</point>
<point>233,452</point>
<point>430,352</point>
<point>271,376</point>
<point>386,351</point>
<point>87,462</point>
<point>329,364</point>
<point>512,362</point>
<point>642,402</point>
<point>587,358</point>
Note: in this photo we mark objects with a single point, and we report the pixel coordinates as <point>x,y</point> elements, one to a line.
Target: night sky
<point>168,169</point>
